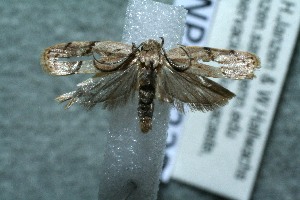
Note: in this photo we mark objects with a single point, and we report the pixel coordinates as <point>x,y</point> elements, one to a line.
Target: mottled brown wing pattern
<point>234,64</point>
<point>57,59</point>
<point>105,87</point>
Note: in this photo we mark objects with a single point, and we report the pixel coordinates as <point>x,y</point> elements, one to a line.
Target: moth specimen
<point>177,76</point>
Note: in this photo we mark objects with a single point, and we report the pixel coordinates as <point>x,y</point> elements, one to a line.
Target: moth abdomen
<point>146,96</point>
<point>145,113</point>
<point>146,107</point>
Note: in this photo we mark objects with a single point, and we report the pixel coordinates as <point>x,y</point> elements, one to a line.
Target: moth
<point>178,76</point>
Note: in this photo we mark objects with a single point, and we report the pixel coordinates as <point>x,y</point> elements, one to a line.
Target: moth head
<point>151,45</point>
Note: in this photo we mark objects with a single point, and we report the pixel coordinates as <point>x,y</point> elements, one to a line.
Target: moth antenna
<point>180,68</point>
<point>115,65</point>
<point>187,53</point>
<point>133,48</point>
<point>136,48</point>
<point>96,58</point>
<point>162,41</point>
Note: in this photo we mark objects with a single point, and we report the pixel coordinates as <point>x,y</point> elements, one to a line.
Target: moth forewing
<point>240,65</point>
<point>234,64</point>
<point>54,58</point>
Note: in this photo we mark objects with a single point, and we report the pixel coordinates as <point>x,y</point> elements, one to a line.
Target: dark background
<point>48,153</point>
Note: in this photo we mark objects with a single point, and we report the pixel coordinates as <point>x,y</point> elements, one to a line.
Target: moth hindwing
<point>178,76</point>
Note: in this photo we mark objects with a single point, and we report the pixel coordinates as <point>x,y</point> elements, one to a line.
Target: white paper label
<point>221,150</point>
